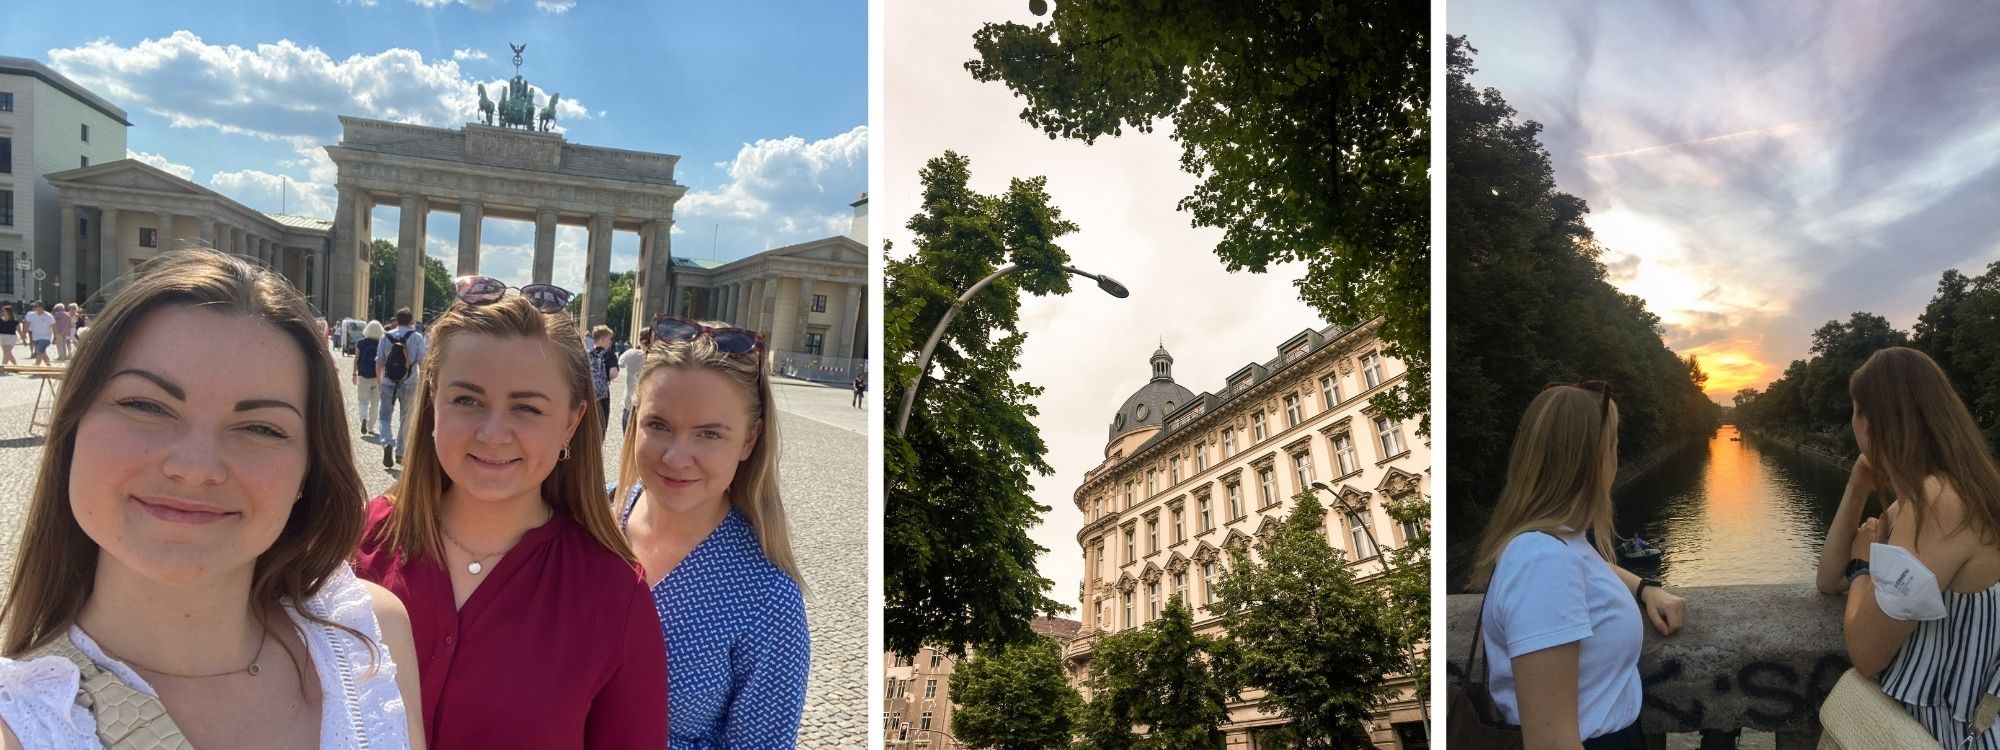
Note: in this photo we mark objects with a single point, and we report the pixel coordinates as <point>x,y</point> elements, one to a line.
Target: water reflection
<point>1742,511</point>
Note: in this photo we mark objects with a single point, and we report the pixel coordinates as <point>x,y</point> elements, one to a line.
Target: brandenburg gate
<point>514,170</point>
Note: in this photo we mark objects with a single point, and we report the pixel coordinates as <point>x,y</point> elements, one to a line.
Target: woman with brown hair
<point>184,556</point>
<point>1923,580</point>
<point>1561,624</point>
<point>700,504</point>
<point>533,625</point>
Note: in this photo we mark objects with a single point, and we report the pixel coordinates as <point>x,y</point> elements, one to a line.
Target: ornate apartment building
<point>917,692</point>
<point>1187,477</point>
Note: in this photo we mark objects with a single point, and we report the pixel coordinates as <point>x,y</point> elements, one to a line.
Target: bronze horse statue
<point>548,117</point>
<point>485,105</point>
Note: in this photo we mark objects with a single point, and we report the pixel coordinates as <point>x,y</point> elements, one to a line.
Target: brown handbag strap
<point>127,718</point>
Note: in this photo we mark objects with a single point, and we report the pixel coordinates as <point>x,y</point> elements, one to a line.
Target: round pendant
<point>254,669</point>
<point>474,568</point>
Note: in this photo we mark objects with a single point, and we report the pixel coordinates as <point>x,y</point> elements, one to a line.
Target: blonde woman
<point>186,541</point>
<point>1923,580</point>
<point>532,620</point>
<point>701,507</point>
<point>1561,625</point>
<point>368,389</point>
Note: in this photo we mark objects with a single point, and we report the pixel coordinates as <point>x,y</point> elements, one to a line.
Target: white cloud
<point>780,191</point>
<point>555,6</point>
<point>182,171</point>
<point>468,53</point>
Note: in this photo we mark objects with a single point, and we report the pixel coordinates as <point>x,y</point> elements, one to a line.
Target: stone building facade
<point>48,125</point>
<point>917,691</point>
<point>1187,477</point>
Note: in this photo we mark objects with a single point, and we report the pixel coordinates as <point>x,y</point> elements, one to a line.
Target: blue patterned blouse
<point>737,646</point>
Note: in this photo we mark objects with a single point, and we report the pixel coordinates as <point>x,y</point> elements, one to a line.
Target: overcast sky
<point>766,103</point>
<point>1087,349</point>
<point>1756,169</point>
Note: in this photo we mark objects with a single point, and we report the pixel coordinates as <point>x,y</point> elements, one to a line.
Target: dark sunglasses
<point>1599,387</point>
<point>486,290</point>
<point>735,342</point>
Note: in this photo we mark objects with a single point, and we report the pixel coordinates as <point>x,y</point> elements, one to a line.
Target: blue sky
<point>765,102</point>
<point>1756,169</point>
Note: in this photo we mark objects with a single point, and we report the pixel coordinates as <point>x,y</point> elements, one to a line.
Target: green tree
<point>1014,697</point>
<point>617,307</point>
<point>958,505</point>
<point>1307,123</point>
<point>1166,679</point>
<point>1320,644</point>
<point>438,292</point>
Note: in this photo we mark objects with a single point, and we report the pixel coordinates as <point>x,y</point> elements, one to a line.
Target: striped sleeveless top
<point>1948,665</point>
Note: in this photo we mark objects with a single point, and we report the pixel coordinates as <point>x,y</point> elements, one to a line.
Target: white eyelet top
<point>361,707</point>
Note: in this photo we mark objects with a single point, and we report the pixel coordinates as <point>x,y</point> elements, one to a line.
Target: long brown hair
<point>575,487</point>
<point>1918,429</point>
<point>754,489</point>
<point>1555,474</point>
<point>57,567</point>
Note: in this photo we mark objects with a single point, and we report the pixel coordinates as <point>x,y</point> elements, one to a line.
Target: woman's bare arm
<point>1833,554</point>
<point>1545,689</point>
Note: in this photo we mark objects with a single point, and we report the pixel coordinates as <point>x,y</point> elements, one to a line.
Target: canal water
<point>1732,512</point>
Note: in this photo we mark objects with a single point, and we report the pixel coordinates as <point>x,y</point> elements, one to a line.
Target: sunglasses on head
<point>1599,387</point>
<point>735,342</point>
<point>486,290</point>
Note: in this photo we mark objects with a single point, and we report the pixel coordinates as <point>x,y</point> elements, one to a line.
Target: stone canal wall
<point>1750,657</point>
<point>1633,470</point>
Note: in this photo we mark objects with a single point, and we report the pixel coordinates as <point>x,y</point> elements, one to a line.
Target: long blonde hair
<point>1918,428</point>
<point>754,490</point>
<point>57,565</point>
<point>575,487</point>
<point>1556,475</point>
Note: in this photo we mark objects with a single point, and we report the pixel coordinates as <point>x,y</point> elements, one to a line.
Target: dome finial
<point>1163,363</point>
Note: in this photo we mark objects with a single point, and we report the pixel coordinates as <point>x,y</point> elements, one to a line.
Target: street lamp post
<point>1423,705</point>
<point>1105,283</point>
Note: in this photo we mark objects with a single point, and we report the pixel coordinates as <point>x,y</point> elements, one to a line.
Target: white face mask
<point>1904,588</point>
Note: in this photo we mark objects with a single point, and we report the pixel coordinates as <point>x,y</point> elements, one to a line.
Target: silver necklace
<point>478,564</point>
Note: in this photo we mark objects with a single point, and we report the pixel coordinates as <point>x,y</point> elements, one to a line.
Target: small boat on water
<point>1650,553</point>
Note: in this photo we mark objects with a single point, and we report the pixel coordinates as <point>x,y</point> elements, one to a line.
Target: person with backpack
<point>396,357</point>
<point>368,388</point>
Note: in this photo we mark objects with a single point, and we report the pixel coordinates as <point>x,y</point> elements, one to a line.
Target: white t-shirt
<point>41,325</point>
<point>1547,592</point>
<point>629,364</point>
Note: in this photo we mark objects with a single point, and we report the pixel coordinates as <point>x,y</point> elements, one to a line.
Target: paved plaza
<point>824,475</point>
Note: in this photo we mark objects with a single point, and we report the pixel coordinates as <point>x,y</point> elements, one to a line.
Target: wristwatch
<point>1639,594</point>
<point>1856,568</point>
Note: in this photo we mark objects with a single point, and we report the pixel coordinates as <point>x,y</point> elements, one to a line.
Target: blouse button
<point>450,639</point>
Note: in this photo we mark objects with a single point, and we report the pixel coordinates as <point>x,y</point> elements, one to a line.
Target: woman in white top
<point>189,532</point>
<point>1923,580</point>
<point>1561,623</point>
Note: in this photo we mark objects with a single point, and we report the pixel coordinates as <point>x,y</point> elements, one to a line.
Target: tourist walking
<point>1923,579</point>
<point>10,334</point>
<point>860,389</point>
<point>629,364</point>
<point>368,389</point>
<point>398,356</point>
<point>41,330</point>
<point>62,330</point>
<point>183,572</point>
<point>603,370</point>
<point>700,504</point>
<point>1561,624</point>
<point>532,620</point>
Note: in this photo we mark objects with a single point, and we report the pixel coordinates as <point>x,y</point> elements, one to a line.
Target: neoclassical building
<point>1187,477</point>
<point>127,211</point>
<point>917,691</point>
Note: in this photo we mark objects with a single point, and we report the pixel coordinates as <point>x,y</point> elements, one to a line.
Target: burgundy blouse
<point>558,648</point>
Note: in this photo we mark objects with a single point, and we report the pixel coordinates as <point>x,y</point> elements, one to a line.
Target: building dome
<point>1148,407</point>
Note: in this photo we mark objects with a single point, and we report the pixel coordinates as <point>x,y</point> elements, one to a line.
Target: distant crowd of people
<point>41,329</point>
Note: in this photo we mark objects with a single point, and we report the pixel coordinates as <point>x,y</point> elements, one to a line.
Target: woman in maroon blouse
<point>533,624</point>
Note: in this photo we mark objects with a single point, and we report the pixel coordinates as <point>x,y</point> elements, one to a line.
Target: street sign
<point>23,264</point>
<point>41,274</point>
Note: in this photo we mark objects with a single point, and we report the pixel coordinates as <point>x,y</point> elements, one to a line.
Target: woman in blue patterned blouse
<point>699,485</point>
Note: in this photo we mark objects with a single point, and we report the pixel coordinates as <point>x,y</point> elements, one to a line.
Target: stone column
<point>783,327</point>
<point>739,307</point>
<point>268,254</point>
<point>727,311</point>
<point>545,245</point>
<point>597,271</point>
<point>238,241</point>
<point>659,265</point>
<point>342,262</point>
<point>65,265</point>
<point>211,232</point>
<point>165,238</point>
<point>840,339</point>
<point>110,254</point>
<point>410,254</point>
<point>470,214</point>
<point>753,309</point>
